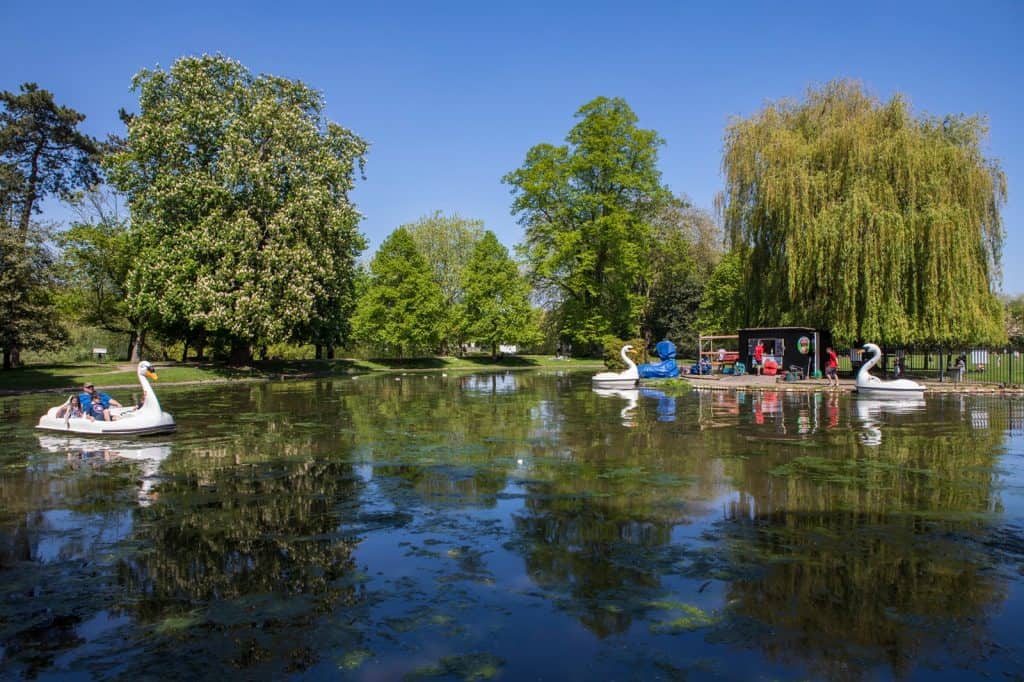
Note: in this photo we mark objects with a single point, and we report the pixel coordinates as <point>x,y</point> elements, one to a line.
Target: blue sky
<point>451,95</point>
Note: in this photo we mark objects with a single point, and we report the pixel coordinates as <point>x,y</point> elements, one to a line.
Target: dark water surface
<point>517,526</point>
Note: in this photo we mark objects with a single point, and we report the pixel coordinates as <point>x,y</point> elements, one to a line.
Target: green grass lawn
<point>60,377</point>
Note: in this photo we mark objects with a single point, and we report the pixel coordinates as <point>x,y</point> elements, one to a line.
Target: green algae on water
<point>474,666</point>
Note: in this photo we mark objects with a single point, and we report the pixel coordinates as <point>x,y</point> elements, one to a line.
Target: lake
<point>516,526</point>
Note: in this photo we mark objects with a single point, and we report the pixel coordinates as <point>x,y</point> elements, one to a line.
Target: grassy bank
<point>107,374</point>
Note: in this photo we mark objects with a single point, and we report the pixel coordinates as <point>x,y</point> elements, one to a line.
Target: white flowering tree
<point>239,192</point>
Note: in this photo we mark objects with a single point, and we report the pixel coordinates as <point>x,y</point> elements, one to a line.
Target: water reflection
<point>666,408</point>
<point>665,404</point>
<point>850,601</point>
<point>871,411</point>
<point>630,395</point>
<point>96,452</point>
<point>471,526</point>
<point>488,383</point>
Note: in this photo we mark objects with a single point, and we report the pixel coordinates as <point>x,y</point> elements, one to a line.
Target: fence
<point>983,366</point>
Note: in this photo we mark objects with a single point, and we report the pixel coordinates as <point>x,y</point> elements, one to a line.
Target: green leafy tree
<point>853,214</point>
<point>496,306</point>
<point>30,318</point>
<point>722,305</point>
<point>586,208</point>
<point>447,243</point>
<point>402,311</point>
<point>42,154</point>
<point>239,191</point>
<point>686,246</point>
<point>97,253</point>
<point>1015,320</point>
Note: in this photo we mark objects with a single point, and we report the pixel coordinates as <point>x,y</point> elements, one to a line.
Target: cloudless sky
<point>451,95</point>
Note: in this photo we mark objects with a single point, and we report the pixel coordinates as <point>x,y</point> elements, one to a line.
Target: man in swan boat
<point>89,390</point>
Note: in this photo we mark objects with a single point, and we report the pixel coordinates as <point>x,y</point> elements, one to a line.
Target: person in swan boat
<point>97,411</point>
<point>89,390</point>
<point>73,410</point>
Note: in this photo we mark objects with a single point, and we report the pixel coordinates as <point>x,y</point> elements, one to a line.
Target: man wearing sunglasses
<point>89,390</point>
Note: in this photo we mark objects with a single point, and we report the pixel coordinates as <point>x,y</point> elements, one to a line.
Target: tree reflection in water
<point>866,554</point>
<point>517,524</point>
<point>245,552</point>
<point>844,557</point>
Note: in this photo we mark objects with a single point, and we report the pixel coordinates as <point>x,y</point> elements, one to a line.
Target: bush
<point>81,340</point>
<point>613,346</point>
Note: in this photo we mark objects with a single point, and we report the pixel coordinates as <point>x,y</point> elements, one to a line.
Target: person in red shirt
<point>832,368</point>
<point>759,356</point>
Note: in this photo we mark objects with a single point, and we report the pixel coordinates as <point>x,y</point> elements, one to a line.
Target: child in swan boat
<point>96,410</point>
<point>73,410</point>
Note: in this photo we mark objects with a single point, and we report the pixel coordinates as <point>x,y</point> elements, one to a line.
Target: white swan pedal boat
<point>628,378</point>
<point>144,420</point>
<point>869,384</point>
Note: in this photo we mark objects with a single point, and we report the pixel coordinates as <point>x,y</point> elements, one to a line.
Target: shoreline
<point>294,376</point>
<point>776,383</point>
<point>749,382</point>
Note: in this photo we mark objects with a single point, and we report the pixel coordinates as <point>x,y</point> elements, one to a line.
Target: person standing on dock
<point>832,368</point>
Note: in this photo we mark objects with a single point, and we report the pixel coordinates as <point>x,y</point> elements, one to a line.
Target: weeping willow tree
<point>855,215</point>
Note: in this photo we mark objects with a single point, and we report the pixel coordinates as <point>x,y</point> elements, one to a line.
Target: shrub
<point>613,346</point>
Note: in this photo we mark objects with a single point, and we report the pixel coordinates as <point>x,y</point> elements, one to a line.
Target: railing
<point>1004,366</point>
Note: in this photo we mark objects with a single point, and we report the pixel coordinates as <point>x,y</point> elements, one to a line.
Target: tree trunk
<point>15,356</point>
<point>319,352</point>
<point>494,351</point>
<point>30,196</point>
<point>200,344</point>
<point>137,344</point>
<point>241,354</point>
<point>184,353</point>
<point>330,352</point>
<point>7,359</point>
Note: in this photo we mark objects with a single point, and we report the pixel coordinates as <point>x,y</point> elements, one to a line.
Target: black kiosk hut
<point>801,347</point>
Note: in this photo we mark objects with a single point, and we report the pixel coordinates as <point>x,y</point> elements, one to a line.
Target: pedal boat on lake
<point>144,420</point>
<point>869,384</point>
<point>625,379</point>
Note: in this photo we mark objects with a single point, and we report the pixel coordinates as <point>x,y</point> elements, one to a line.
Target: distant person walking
<point>832,368</point>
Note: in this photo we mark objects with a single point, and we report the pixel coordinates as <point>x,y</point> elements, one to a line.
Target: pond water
<point>517,526</point>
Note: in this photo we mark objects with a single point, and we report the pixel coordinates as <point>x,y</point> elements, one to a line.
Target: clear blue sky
<point>451,94</point>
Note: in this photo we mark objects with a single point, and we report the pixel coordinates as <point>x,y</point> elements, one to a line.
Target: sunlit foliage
<point>239,189</point>
<point>401,311</point>
<point>586,207</point>
<point>854,214</point>
<point>496,305</point>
